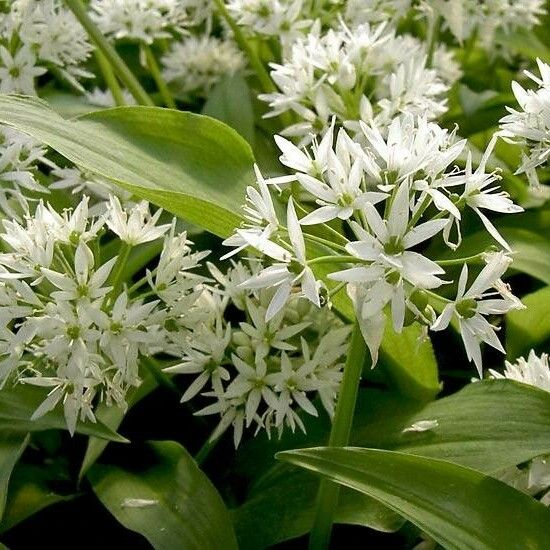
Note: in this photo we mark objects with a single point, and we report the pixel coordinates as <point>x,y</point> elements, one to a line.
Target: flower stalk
<point>158,78</point>
<point>327,497</point>
<point>119,66</point>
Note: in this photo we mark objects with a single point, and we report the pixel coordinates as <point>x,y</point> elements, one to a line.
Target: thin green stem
<point>433,36</point>
<point>205,450</point>
<point>253,58</point>
<point>461,261</point>
<point>117,63</point>
<point>327,498</point>
<point>163,380</point>
<point>116,278</point>
<point>158,78</point>
<point>333,291</point>
<point>333,260</point>
<point>110,78</point>
<point>324,242</point>
<point>420,210</point>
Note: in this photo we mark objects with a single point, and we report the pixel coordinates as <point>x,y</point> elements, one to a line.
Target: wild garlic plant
<point>378,201</point>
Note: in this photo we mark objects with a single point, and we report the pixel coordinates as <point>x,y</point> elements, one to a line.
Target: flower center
<point>466,308</point>
<point>393,246</point>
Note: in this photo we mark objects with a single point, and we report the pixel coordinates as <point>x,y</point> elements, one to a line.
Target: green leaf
<point>19,403</point>
<point>281,506</point>
<point>112,418</point>
<point>191,165</point>
<point>172,504</point>
<point>527,328</point>
<point>457,506</point>
<point>230,102</point>
<point>526,43</point>
<point>30,491</point>
<point>12,445</point>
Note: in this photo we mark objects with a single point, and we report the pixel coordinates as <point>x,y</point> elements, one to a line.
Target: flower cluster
<point>258,370</point>
<point>489,21</point>
<point>531,125</point>
<point>361,73</point>
<point>37,37</point>
<point>386,197</point>
<point>535,478</point>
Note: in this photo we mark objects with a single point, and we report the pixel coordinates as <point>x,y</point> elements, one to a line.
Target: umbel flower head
<point>531,125</point>
<point>389,196</point>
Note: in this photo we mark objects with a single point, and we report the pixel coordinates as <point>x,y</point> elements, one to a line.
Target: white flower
<point>18,72</point>
<point>282,275</point>
<point>195,64</point>
<point>470,307</point>
<point>535,371</point>
<point>532,124</point>
<point>137,228</point>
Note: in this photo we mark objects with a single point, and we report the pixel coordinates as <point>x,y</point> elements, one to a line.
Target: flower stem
<point>116,62</point>
<point>433,36</point>
<point>110,78</point>
<point>327,497</point>
<point>460,261</point>
<point>333,260</point>
<point>205,450</point>
<point>153,367</point>
<point>158,78</point>
<point>117,274</point>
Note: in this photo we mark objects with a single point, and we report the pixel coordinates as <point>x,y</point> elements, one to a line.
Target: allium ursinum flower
<point>487,295</point>
<point>140,20</point>
<point>351,74</point>
<point>531,125</point>
<point>535,371</point>
<point>68,321</point>
<point>283,19</point>
<point>357,12</point>
<point>136,227</point>
<point>390,196</point>
<point>104,98</point>
<point>259,372</point>
<point>46,35</point>
<point>20,157</point>
<point>194,64</point>
<point>490,20</point>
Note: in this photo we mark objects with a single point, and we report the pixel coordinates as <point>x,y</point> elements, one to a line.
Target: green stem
<point>205,450</point>
<point>110,78</point>
<point>253,58</point>
<point>433,36</point>
<point>324,242</point>
<point>158,78</point>
<point>116,278</point>
<point>333,260</point>
<point>461,261</point>
<point>118,64</point>
<point>327,498</point>
<point>153,367</point>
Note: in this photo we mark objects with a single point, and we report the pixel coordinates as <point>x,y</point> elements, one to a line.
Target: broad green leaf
<point>281,506</point>
<point>230,102</point>
<point>172,504</point>
<point>191,165</point>
<point>489,425</point>
<point>112,417</point>
<point>526,43</point>
<point>19,403</point>
<point>458,507</point>
<point>12,445</point>
<point>30,491</point>
<point>527,328</point>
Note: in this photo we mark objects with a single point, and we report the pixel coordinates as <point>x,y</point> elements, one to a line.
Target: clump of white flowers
<point>20,157</point>
<point>487,21</point>
<point>531,125</point>
<point>387,196</point>
<point>37,37</point>
<point>360,73</point>
<point>193,65</point>
<point>140,20</point>
<point>535,478</point>
<point>259,371</point>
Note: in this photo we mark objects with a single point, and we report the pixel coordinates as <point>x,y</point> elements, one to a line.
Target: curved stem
<point>120,68</point>
<point>116,277</point>
<point>327,498</point>
<point>110,79</point>
<point>154,368</point>
<point>333,260</point>
<point>157,77</point>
